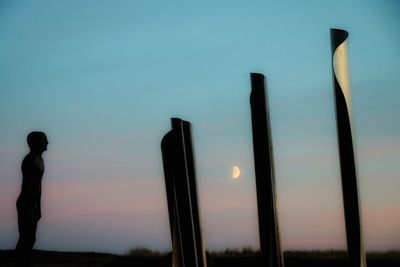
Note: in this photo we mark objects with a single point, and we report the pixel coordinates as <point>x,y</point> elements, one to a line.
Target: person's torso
<point>32,173</point>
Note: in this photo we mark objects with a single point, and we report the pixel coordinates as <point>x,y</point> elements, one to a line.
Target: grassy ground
<point>228,258</point>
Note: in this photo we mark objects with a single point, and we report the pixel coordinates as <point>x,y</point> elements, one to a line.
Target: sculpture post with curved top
<point>351,202</point>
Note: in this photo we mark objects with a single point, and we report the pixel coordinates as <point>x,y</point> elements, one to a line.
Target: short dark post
<point>180,181</point>
<point>271,253</point>
<point>341,87</point>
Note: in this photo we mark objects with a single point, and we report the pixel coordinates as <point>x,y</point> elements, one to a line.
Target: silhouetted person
<point>28,203</point>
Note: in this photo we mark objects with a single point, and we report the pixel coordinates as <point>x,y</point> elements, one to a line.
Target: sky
<point>103,78</point>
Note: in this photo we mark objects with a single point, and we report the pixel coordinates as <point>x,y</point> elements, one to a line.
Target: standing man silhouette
<point>28,203</point>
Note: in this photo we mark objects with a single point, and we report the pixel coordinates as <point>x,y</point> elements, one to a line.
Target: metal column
<point>180,182</point>
<point>341,87</point>
<point>271,253</point>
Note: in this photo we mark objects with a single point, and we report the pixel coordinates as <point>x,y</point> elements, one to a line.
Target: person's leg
<point>27,237</point>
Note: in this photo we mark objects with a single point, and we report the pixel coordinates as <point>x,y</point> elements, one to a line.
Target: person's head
<point>37,142</point>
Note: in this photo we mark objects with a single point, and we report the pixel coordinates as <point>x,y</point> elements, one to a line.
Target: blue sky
<point>102,80</point>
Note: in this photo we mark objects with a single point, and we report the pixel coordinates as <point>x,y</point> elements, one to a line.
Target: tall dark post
<point>180,182</point>
<point>341,87</point>
<point>271,253</point>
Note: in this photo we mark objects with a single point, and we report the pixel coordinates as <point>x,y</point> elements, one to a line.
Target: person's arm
<point>39,212</point>
<point>37,198</point>
<point>37,187</point>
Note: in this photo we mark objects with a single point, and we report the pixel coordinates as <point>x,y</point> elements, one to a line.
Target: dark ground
<point>220,259</point>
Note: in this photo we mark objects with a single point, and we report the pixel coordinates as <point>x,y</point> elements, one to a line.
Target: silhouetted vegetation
<point>59,259</point>
<point>141,252</point>
<point>246,257</point>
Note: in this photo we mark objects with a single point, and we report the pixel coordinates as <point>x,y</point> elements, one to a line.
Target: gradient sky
<point>103,78</point>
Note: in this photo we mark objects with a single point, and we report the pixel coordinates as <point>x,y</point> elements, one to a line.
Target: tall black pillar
<point>271,253</point>
<point>180,182</point>
<point>341,87</point>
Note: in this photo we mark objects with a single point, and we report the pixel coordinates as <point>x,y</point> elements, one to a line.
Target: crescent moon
<point>235,172</point>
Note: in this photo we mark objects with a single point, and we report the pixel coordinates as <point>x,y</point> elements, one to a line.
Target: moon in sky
<point>235,172</point>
